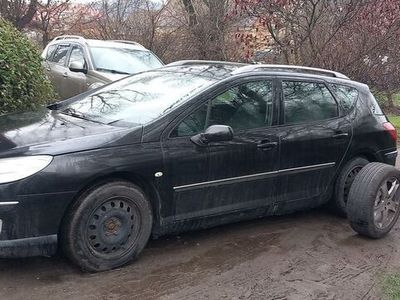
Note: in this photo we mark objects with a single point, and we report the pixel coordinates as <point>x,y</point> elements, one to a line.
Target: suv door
<point>314,139</point>
<point>59,70</point>
<point>235,175</point>
<point>75,82</point>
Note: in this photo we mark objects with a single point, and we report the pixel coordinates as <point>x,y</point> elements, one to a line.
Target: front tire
<point>107,227</point>
<point>374,200</point>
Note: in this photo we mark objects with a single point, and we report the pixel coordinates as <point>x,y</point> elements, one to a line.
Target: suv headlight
<point>16,168</point>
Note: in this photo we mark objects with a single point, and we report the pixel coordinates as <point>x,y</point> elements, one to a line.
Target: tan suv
<point>75,64</point>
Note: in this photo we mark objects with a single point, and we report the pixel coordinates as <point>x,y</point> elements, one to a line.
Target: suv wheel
<point>344,182</point>
<point>107,227</point>
<point>374,202</point>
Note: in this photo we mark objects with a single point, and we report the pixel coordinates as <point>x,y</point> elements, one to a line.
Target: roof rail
<point>204,62</point>
<point>68,37</point>
<point>127,42</point>
<point>250,68</point>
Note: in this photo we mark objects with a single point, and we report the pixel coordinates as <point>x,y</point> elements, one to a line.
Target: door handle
<point>266,145</point>
<point>340,135</point>
<point>65,75</point>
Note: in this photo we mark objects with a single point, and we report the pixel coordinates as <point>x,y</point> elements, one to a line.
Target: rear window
<point>347,96</point>
<point>373,105</point>
<point>50,51</point>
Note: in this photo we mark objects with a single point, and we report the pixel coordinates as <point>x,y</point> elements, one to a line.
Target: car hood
<point>107,77</point>
<point>48,132</point>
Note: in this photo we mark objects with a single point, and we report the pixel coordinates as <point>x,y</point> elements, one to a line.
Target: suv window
<point>245,106</point>
<point>77,55</point>
<point>61,54</point>
<point>346,96</point>
<point>307,101</point>
<point>50,51</point>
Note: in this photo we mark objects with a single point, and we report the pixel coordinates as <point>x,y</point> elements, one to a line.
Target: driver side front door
<point>224,177</point>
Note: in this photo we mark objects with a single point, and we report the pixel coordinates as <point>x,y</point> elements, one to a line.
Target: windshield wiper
<point>73,113</point>
<point>112,71</point>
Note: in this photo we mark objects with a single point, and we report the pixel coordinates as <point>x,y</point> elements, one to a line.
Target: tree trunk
<point>390,100</point>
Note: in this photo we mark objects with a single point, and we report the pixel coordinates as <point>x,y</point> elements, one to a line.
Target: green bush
<point>23,85</point>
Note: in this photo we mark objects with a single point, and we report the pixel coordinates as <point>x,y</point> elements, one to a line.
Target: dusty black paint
<point>87,153</point>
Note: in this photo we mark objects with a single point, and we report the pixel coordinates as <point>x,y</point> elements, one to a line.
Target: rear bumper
<point>34,246</point>
<point>390,157</point>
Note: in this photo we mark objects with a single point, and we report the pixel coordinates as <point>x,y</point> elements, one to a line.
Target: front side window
<point>243,107</point>
<point>307,102</point>
<point>123,60</point>
<point>60,55</point>
<point>77,56</point>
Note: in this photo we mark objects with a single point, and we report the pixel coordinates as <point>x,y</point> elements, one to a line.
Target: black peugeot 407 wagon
<point>191,145</point>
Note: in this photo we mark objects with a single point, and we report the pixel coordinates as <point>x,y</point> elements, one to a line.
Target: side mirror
<point>214,133</point>
<point>77,66</point>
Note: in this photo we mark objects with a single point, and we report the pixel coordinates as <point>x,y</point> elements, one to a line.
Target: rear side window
<point>50,51</point>
<point>346,96</point>
<point>60,55</point>
<point>307,102</point>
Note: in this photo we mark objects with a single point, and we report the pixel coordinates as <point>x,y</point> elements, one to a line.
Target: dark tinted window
<point>346,96</point>
<point>307,102</point>
<point>243,107</point>
<point>77,55</point>
<point>61,54</point>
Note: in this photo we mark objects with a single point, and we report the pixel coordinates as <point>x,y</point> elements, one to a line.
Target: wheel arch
<point>148,189</point>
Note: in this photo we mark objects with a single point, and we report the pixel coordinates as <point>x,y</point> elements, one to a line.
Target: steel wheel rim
<point>386,203</point>
<point>349,181</point>
<point>113,228</point>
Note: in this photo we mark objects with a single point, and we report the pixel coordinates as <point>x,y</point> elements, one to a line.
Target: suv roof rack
<point>68,37</point>
<point>250,68</point>
<point>204,62</point>
<point>127,42</point>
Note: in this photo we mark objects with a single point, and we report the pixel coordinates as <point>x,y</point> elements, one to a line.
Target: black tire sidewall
<point>361,209</point>
<point>340,205</point>
<point>73,235</point>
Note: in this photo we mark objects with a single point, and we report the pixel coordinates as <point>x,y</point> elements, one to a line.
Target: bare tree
<point>208,27</point>
<point>19,12</point>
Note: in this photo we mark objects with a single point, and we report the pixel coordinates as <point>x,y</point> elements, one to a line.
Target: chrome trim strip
<point>9,203</point>
<point>252,176</point>
<point>391,153</point>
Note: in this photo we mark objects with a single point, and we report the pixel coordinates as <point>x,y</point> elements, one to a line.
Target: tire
<point>374,200</point>
<point>107,227</point>
<point>344,182</point>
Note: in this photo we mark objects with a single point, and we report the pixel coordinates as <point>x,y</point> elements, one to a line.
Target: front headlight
<point>16,168</point>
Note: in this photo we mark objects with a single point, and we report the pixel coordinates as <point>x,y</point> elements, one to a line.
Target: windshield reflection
<point>138,99</point>
<point>123,60</point>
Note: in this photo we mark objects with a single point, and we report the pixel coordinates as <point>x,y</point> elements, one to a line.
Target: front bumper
<point>30,223</point>
<point>34,246</point>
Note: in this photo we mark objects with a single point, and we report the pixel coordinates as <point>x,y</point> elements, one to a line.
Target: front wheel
<point>107,227</point>
<point>374,200</point>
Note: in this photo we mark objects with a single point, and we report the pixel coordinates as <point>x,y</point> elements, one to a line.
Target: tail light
<point>391,130</point>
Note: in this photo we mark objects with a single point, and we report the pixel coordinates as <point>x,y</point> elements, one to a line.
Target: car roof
<point>221,70</point>
<point>100,43</point>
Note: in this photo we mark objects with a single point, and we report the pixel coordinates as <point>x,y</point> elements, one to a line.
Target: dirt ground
<point>309,255</point>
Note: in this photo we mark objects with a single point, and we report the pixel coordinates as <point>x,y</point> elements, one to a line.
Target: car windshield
<point>123,60</point>
<point>138,99</point>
